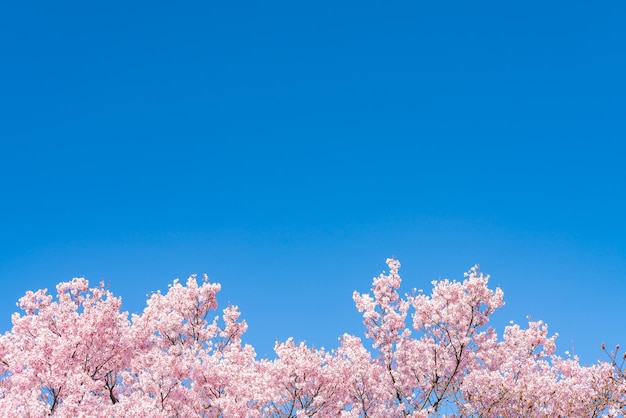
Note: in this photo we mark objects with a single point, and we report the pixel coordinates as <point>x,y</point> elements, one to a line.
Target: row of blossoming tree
<point>429,355</point>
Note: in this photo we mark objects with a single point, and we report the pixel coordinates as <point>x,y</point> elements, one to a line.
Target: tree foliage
<point>428,355</point>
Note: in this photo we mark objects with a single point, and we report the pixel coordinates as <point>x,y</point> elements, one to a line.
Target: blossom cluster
<point>79,355</point>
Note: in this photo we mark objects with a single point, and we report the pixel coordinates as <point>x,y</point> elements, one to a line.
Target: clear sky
<point>288,148</point>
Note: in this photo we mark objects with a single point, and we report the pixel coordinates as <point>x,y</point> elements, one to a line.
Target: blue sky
<point>288,148</point>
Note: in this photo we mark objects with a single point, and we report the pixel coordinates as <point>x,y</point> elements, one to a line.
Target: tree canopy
<point>77,354</point>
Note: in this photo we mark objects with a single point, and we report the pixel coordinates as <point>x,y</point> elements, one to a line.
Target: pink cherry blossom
<point>76,354</point>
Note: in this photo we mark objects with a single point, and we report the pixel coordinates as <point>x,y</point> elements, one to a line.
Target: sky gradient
<point>288,148</point>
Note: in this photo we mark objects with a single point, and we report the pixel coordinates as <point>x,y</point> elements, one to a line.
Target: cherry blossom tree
<point>77,354</point>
